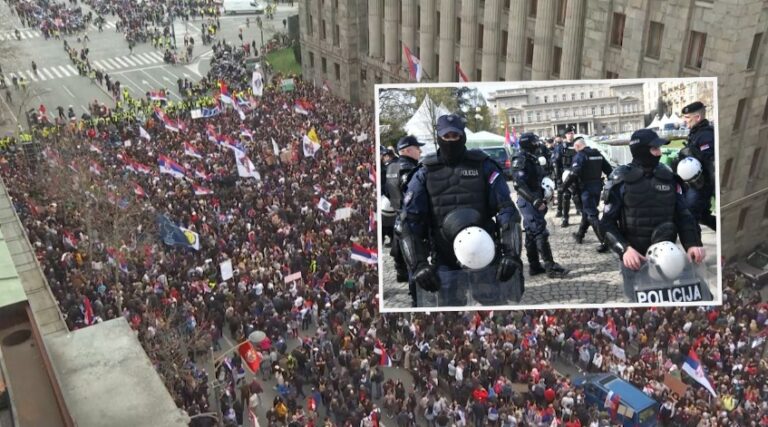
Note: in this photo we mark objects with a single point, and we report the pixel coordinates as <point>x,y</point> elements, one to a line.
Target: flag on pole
<point>368,256</point>
<point>142,168</point>
<point>275,149</point>
<point>324,205</point>
<point>692,366</point>
<point>414,65</point>
<point>157,95</point>
<point>310,146</point>
<point>384,359</point>
<point>69,240</point>
<point>244,131</point>
<point>138,190</point>
<point>250,356</point>
<point>193,239</point>
<point>190,150</point>
<point>202,174</point>
<point>245,167</point>
<point>257,83</point>
<point>207,113</point>
<point>144,134</point>
<point>224,93</point>
<point>201,191</point>
<point>462,76</point>
<point>87,311</point>
<point>300,109</point>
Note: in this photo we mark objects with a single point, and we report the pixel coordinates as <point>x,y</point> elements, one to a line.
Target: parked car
<point>635,407</point>
<point>501,155</point>
<point>755,266</point>
<point>233,7</point>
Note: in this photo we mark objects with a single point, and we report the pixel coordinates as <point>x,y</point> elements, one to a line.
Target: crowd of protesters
<point>53,19</point>
<point>472,368</point>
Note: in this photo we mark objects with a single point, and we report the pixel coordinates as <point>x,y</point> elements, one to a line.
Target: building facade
<point>591,108</point>
<point>354,44</point>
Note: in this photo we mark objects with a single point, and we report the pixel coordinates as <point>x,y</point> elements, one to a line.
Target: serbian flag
<point>250,356</point>
<point>510,139</point>
<point>95,168</point>
<point>239,110</point>
<point>462,76</point>
<point>158,95</point>
<point>212,135</point>
<point>202,174</point>
<point>610,329</point>
<point>611,403</point>
<point>384,359</point>
<point>201,191</point>
<point>692,366</point>
<point>142,168</point>
<point>300,109</point>
<point>94,148</point>
<point>414,65</point>
<point>69,240</point>
<point>87,311</point>
<point>224,93</point>
<point>246,132</point>
<point>368,256</point>
<point>138,190</point>
<point>190,150</point>
<point>306,105</point>
<point>170,167</point>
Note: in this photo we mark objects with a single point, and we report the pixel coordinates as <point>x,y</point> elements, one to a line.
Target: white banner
<point>292,277</point>
<point>342,213</point>
<point>226,270</point>
<point>618,352</point>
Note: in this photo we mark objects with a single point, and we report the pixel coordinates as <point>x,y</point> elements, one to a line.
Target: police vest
<point>592,168</point>
<point>394,182</point>
<point>647,203</point>
<point>533,171</point>
<point>450,188</point>
<point>567,153</point>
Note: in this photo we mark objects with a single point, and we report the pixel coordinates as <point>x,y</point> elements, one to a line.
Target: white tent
<point>421,124</point>
<point>484,136</point>
<point>655,124</point>
<point>673,119</point>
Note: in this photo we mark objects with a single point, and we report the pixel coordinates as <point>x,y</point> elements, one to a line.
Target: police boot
<point>566,209</point>
<point>595,223</point>
<point>554,270</point>
<point>559,204</point>
<point>532,253</point>
<point>578,236</point>
<point>710,221</point>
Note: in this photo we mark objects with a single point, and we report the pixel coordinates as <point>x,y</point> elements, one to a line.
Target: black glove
<point>538,202</point>
<point>425,277</point>
<point>507,267</point>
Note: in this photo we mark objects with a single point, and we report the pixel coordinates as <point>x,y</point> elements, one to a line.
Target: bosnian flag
<point>368,256</point>
<point>462,77</point>
<point>201,191</point>
<point>190,150</point>
<point>95,168</point>
<point>138,190</point>
<point>414,65</point>
<point>170,167</point>
<point>692,366</point>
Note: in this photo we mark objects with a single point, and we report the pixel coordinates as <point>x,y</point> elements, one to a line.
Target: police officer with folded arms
<point>453,192</point>
<point>644,205</point>
<point>588,167</point>
<point>563,157</point>
<point>527,175</point>
<point>409,150</point>
<point>700,146</point>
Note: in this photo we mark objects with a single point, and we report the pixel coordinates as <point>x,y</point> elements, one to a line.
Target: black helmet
<point>528,141</point>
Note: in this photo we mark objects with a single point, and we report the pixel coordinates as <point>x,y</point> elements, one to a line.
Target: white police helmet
<point>689,169</point>
<point>474,248</point>
<point>549,188</point>
<point>665,261</point>
<point>566,174</point>
<point>542,161</point>
<point>386,205</point>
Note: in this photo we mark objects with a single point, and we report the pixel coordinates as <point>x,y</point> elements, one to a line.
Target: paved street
<point>58,83</point>
<point>594,277</point>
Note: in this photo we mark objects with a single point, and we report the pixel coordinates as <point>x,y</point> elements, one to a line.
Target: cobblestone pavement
<point>594,277</point>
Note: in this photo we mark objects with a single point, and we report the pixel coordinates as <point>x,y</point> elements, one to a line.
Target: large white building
<point>354,44</point>
<point>593,109</point>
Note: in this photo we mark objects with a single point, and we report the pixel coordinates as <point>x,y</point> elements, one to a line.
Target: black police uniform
<point>564,155</point>
<point>588,167</point>
<point>397,174</point>
<point>527,174</point>
<point>644,205</point>
<point>449,191</point>
<point>387,218</point>
<point>701,146</point>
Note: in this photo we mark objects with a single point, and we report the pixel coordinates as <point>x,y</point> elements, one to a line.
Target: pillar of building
<point>468,37</point>
<point>447,40</point>
<point>545,29</point>
<point>491,37</point>
<point>427,39</point>
<point>516,41</point>
<point>374,28</point>
<point>391,41</point>
<point>573,40</point>
<point>409,28</point>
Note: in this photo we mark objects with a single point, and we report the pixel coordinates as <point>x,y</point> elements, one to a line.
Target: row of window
<point>324,66</point>
<point>576,112</point>
<point>743,216</point>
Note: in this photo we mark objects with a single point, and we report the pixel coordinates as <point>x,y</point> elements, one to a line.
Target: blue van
<point>635,408</point>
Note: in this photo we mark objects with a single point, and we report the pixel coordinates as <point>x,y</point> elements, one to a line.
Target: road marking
<point>68,91</point>
<point>138,88</point>
<point>73,69</point>
<point>129,61</point>
<point>156,55</point>
<point>47,73</point>
<point>99,65</point>
<point>64,70</point>
<point>40,75</point>
<point>112,63</point>
<point>119,61</point>
<point>84,109</point>
<point>161,85</point>
<point>140,58</point>
<point>54,70</point>
<point>31,75</point>
<point>10,110</point>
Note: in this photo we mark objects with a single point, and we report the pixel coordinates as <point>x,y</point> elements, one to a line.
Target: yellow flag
<point>313,136</point>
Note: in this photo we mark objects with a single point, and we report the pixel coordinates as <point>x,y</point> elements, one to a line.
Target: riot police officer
<point>545,156</point>
<point>387,215</point>
<point>563,157</point>
<point>527,174</point>
<point>398,172</point>
<point>451,191</point>
<point>588,167</point>
<point>701,146</point>
<point>642,200</point>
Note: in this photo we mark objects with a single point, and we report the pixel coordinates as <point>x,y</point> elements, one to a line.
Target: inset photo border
<point>557,245</point>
